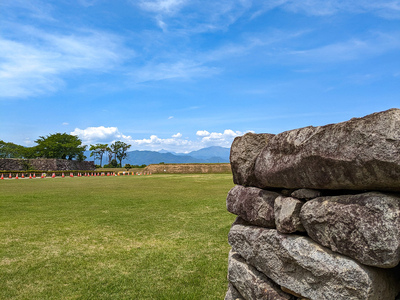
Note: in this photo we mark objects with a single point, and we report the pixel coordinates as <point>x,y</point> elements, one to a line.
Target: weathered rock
<point>306,194</point>
<point>232,293</point>
<point>253,205</point>
<point>250,283</point>
<point>244,151</point>
<point>360,154</point>
<point>365,227</point>
<point>45,164</point>
<point>308,269</point>
<point>287,214</point>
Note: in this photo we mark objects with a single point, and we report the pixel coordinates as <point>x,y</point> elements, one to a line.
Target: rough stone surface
<point>195,168</point>
<point>244,151</point>
<point>360,154</point>
<point>306,194</point>
<point>365,227</point>
<point>232,293</point>
<point>308,269</point>
<point>252,284</point>
<point>287,214</point>
<point>45,164</point>
<point>253,205</point>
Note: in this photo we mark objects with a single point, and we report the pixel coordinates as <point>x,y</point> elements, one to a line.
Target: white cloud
<point>202,133</point>
<point>101,134</point>
<point>178,135</point>
<point>179,145</point>
<point>154,143</point>
<point>223,139</point>
<point>170,117</point>
<point>65,124</point>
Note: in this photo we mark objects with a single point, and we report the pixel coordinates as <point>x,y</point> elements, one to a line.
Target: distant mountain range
<point>214,154</point>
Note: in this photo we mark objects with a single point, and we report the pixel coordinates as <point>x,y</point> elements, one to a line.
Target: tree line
<point>116,150</point>
<point>65,146</point>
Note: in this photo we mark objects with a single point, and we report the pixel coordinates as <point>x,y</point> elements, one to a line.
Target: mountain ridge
<point>214,154</point>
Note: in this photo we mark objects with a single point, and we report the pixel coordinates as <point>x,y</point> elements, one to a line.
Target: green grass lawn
<point>126,237</point>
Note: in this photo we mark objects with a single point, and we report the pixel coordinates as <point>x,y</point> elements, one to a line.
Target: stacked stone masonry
<point>318,212</point>
<point>45,164</point>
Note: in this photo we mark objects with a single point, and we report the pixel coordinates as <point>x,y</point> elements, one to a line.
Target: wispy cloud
<point>162,6</point>
<point>204,16</point>
<point>183,69</point>
<point>87,3</point>
<point>36,65</point>
<point>354,49</point>
<point>190,64</point>
<point>383,8</point>
<point>219,15</point>
<point>35,62</point>
<point>36,9</point>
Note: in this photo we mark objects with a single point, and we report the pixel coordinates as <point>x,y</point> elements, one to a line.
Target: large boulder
<point>244,151</point>
<point>360,154</point>
<point>253,205</point>
<point>308,269</point>
<point>365,227</point>
<point>250,283</point>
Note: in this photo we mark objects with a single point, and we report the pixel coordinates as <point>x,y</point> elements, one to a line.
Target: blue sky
<point>186,74</point>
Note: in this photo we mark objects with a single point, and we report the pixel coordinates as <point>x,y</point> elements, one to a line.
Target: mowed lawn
<point>126,237</point>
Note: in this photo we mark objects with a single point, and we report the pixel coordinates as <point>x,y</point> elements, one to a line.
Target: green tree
<point>60,145</point>
<point>119,149</point>
<point>94,152</point>
<point>113,164</point>
<point>98,151</point>
<point>11,150</point>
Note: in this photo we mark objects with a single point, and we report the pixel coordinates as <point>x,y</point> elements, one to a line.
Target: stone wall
<point>318,212</point>
<point>45,164</point>
<point>188,168</point>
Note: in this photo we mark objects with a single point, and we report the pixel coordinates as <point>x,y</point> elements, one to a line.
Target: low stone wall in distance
<point>45,164</point>
<point>318,212</point>
<point>188,168</point>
